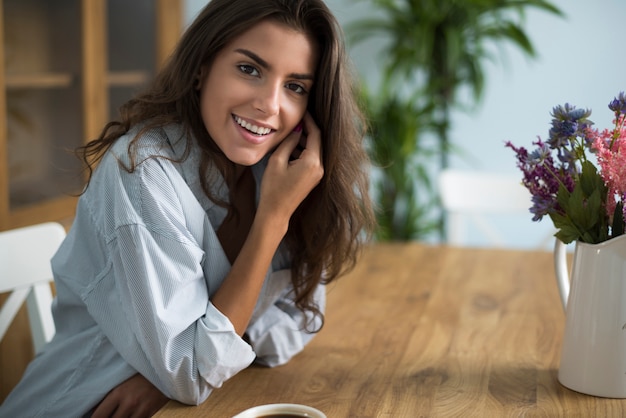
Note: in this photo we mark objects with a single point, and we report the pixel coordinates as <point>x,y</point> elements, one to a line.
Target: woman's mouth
<point>257,130</point>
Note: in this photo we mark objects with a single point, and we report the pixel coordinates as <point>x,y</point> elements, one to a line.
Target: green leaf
<point>589,178</point>
<point>562,198</point>
<point>576,208</point>
<point>594,210</point>
<point>567,234</point>
<point>592,182</point>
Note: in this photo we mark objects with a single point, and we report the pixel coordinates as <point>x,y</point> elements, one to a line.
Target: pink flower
<point>610,146</point>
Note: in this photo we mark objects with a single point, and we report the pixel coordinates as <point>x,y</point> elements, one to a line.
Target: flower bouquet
<point>585,203</point>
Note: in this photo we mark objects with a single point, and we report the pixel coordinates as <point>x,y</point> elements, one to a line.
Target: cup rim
<point>281,408</point>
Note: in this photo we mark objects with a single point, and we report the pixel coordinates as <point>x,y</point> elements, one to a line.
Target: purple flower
<point>568,134</point>
<point>561,131</point>
<point>542,205</point>
<point>618,105</point>
<point>541,177</point>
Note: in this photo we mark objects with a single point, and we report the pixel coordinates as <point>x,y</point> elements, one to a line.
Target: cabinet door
<point>132,48</point>
<point>58,88</point>
<point>140,36</point>
<point>68,66</point>
<point>42,114</point>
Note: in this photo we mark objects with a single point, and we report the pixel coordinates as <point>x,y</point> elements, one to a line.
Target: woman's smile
<point>253,132</point>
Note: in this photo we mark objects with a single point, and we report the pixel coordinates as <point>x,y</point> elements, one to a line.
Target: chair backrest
<point>471,196</point>
<point>26,273</point>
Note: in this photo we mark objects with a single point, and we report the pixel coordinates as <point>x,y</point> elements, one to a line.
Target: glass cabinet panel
<point>42,64</point>
<point>68,65</point>
<point>131,49</point>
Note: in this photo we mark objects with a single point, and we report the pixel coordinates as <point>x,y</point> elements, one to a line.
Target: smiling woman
<point>256,90</point>
<point>217,207</point>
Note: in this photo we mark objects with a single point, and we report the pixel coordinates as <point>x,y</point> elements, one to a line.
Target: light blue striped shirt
<point>134,277</point>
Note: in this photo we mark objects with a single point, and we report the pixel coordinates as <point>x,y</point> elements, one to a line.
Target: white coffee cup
<point>281,408</point>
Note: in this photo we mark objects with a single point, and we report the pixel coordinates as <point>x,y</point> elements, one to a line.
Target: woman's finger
<point>286,148</point>
<point>313,134</point>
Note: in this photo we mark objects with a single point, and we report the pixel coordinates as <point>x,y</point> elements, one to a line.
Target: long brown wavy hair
<point>330,225</point>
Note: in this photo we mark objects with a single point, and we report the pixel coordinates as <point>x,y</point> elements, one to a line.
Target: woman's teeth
<point>252,128</point>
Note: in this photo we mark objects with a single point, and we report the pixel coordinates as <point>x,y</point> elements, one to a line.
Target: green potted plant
<point>400,153</point>
<point>435,48</point>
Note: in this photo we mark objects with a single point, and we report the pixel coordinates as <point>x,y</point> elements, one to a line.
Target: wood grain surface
<point>426,331</point>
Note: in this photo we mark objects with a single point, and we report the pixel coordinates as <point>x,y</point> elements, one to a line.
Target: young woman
<point>223,200</point>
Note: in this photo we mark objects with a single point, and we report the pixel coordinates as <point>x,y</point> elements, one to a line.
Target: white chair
<point>473,196</point>
<point>25,271</point>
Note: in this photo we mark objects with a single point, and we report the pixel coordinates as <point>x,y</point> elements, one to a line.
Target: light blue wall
<point>192,7</point>
<point>580,60</point>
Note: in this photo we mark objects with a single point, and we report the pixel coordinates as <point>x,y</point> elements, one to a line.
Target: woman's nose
<point>268,99</point>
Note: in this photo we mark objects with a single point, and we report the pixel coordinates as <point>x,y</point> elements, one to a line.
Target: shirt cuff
<point>221,352</point>
<point>275,337</point>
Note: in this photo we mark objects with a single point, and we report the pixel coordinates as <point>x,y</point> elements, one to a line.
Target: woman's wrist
<point>274,223</point>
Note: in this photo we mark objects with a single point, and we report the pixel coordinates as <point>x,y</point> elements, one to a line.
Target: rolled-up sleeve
<point>221,361</point>
<point>281,331</point>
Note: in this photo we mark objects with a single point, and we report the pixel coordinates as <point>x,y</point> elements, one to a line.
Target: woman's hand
<point>288,181</point>
<point>135,397</point>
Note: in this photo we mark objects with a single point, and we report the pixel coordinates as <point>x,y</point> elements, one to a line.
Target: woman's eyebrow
<point>267,66</point>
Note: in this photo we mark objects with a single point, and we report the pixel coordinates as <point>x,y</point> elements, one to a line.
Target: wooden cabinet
<point>68,65</point>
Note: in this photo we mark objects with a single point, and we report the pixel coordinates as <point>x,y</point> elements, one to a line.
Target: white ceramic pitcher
<point>593,355</point>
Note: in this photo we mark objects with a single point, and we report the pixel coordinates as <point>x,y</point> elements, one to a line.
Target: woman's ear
<point>200,77</point>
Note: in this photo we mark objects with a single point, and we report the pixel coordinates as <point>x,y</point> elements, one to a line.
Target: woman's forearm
<point>238,294</point>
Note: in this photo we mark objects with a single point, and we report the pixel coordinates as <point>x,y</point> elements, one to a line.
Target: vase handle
<point>562,274</point>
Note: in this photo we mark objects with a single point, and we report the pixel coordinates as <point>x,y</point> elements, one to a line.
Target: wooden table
<point>424,331</point>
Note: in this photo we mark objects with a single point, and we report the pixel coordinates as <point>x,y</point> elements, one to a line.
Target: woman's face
<point>256,91</point>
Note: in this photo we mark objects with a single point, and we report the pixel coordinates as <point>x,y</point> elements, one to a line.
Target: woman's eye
<point>296,88</point>
<point>248,69</point>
